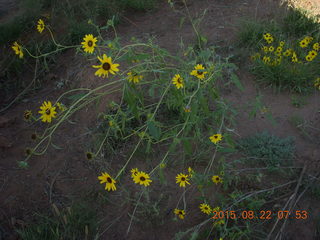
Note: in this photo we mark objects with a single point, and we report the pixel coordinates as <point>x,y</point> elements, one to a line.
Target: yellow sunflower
<point>308,39</point>
<point>216,179</point>
<point>134,172</point>
<point>309,58</point>
<point>303,43</point>
<point>89,155</point>
<point>316,46</point>
<point>266,59</point>
<point>279,51</point>
<point>61,107</point>
<point>182,179</point>
<point>162,165</point>
<point>216,138</point>
<point>47,112</point>
<point>255,56</point>
<point>267,36</point>
<point>270,40</point>
<point>216,209</point>
<point>178,81</point>
<point>219,222</point>
<point>89,43</point>
<point>199,71</point>
<point>40,26</point>
<point>17,49</point>
<point>313,54</point>
<point>142,178</point>
<point>294,57</point>
<point>180,213</point>
<point>271,49</point>
<point>187,109</point>
<point>288,52</point>
<point>134,77</point>
<point>106,66</point>
<point>317,83</point>
<point>110,182</point>
<point>205,208</point>
<point>27,115</point>
<point>190,171</point>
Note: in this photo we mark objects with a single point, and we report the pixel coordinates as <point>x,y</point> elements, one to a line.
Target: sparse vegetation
<point>163,144</point>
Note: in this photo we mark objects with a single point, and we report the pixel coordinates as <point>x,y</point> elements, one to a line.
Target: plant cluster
<point>268,149</point>
<point>75,222</point>
<point>287,65</point>
<point>171,111</point>
<point>284,51</point>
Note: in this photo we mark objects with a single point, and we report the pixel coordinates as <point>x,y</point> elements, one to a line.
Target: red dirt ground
<point>58,176</point>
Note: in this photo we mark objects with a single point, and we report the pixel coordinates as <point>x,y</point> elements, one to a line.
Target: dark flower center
<point>180,213</point>
<point>27,115</point>
<point>109,180</point>
<point>142,179</point>
<point>106,66</point>
<point>199,73</point>
<point>183,179</point>
<point>89,155</point>
<point>179,80</point>
<point>90,43</point>
<point>48,112</point>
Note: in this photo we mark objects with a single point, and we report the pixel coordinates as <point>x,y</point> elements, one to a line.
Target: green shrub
<point>77,222</point>
<point>251,31</point>
<point>139,5</point>
<point>297,23</point>
<point>77,30</point>
<point>291,68</point>
<point>271,150</point>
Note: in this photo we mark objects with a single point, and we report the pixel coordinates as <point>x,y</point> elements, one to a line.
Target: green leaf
<point>23,164</point>
<point>104,27</point>
<point>174,144</point>
<point>148,147</point>
<point>214,94</point>
<point>153,130</point>
<point>181,21</point>
<point>162,177</point>
<point>151,91</point>
<point>76,96</point>
<point>194,235</point>
<point>141,56</point>
<point>187,146</point>
<point>234,78</point>
<point>204,104</point>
